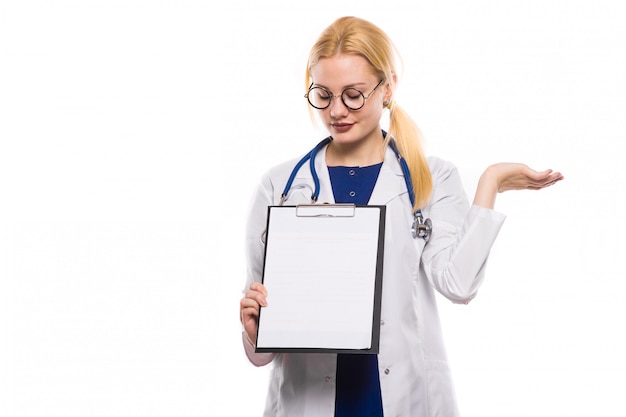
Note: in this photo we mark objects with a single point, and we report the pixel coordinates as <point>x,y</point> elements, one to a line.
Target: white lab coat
<point>414,374</point>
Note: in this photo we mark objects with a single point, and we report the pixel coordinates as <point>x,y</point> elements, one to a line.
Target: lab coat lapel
<point>390,183</point>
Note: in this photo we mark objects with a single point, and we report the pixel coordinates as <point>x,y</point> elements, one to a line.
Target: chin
<point>344,137</point>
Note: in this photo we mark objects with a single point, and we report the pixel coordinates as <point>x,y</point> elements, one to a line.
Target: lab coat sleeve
<point>455,257</point>
<point>255,249</point>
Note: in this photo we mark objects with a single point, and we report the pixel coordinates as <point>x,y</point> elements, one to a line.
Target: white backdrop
<point>133,132</point>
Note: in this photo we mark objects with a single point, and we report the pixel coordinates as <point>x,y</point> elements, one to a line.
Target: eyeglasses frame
<point>332,96</point>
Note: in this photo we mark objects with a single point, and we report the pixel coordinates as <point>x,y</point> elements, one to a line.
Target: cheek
<point>323,115</point>
<point>375,113</point>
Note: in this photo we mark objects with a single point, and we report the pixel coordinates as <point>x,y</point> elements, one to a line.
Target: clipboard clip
<point>325,210</point>
<point>319,211</point>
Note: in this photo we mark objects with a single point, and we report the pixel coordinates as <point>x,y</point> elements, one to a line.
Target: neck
<point>355,154</point>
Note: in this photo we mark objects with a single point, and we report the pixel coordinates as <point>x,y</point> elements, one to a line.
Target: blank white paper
<point>320,273</point>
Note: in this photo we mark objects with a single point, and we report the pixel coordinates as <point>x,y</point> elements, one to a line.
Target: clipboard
<point>323,267</point>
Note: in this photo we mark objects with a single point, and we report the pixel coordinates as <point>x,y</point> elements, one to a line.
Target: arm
<point>456,256</point>
<point>254,294</point>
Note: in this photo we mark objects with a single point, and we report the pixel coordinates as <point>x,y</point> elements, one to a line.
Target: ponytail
<point>408,139</point>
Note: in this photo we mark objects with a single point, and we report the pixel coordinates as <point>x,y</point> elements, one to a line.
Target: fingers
<point>548,181</point>
<point>546,178</point>
<point>548,174</point>
<point>253,299</point>
<point>257,286</point>
<point>249,306</point>
<point>257,292</point>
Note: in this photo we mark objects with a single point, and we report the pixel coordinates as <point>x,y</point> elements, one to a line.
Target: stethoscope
<point>420,228</point>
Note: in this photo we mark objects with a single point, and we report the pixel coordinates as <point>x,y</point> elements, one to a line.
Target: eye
<point>321,94</point>
<point>352,93</point>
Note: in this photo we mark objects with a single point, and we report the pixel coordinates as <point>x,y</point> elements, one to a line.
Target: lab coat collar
<point>389,185</point>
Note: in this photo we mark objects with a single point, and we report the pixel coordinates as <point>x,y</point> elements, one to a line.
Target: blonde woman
<point>350,83</point>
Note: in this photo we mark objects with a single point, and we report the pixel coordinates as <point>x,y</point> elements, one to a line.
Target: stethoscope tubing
<point>421,227</point>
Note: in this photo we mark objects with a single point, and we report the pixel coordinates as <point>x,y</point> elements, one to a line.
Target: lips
<point>341,127</point>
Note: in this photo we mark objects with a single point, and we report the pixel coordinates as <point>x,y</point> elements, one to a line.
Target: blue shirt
<point>358,382</point>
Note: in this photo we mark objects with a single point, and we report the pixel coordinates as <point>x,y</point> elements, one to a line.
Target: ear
<point>389,89</point>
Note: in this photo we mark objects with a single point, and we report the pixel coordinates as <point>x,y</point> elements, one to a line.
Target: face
<point>336,74</point>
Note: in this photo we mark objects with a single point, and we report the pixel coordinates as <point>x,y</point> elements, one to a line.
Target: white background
<point>133,132</point>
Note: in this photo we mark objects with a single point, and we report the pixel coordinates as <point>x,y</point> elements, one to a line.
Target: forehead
<point>342,70</point>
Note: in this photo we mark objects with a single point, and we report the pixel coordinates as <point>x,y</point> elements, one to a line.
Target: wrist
<point>486,189</point>
<point>248,339</point>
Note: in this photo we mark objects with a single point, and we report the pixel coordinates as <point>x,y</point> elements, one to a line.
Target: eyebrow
<point>343,88</point>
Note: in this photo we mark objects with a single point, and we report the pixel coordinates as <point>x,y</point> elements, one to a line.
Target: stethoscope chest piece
<point>421,228</point>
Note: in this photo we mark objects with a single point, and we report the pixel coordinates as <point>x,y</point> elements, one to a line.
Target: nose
<point>337,108</point>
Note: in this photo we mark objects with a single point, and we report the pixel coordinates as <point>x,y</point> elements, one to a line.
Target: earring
<point>388,104</point>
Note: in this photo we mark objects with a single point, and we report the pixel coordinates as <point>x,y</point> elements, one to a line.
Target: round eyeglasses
<point>353,99</point>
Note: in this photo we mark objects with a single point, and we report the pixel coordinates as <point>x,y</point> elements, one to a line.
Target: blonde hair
<point>355,36</point>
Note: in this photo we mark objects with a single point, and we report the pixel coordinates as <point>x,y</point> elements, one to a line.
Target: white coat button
<point>328,379</point>
<point>382,322</point>
<point>387,371</point>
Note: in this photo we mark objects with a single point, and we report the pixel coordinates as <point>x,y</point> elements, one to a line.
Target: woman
<point>351,81</point>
